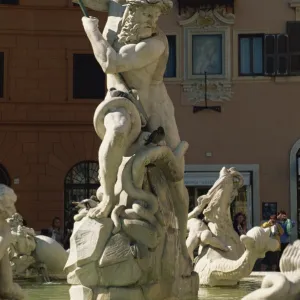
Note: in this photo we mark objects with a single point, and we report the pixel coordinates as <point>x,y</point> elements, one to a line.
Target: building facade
<point>243,57</point>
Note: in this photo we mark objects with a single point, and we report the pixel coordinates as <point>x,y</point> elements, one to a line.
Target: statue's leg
<point>181,209</point>
<point>192,243</point>
<point>208,239</point>
<point>111,152</point>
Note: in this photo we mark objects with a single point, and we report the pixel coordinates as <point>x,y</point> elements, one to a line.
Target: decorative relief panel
<point>207,38</point>
<point>215,91</point>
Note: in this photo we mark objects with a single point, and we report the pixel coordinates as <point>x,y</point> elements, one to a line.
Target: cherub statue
<point>210,221</point>
<point>8,289</point>
<point>199,233</point>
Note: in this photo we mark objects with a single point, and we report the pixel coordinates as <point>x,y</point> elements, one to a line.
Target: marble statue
<point>131,245</point>
<point>21,247</point>
<point>223,257</point>
<point>33,255</point>
<point>283,285</point>
<point>8,289</point>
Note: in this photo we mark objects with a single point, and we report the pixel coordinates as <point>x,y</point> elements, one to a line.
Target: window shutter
<point>270,54</point>
<point>293,31</point>
<point>282,58</point>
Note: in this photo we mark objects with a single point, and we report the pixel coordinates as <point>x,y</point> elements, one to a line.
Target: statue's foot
<point>102,210</point>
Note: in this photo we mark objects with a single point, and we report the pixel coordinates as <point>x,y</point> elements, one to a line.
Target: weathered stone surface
<point>120,274</point>
<point>119,294</point>
<point>154,291</point>
<point>79,292</point>
<point>143,257</point>
<point>186,287</point>
<point>86,275</point>
<point>117,250</point>
<point>141,232</point>
<point>88,241</point>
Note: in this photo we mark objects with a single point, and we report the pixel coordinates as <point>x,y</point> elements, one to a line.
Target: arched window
<point>81,182</point>
<point>4,177</point>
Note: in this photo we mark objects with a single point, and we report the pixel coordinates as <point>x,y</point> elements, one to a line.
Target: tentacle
<point>135,193</point>
<point>273,286</point>
<point>115,217</point>
<point>111,104</point>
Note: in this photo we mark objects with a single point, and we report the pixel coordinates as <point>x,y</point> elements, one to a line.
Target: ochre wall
<point>43,132</point>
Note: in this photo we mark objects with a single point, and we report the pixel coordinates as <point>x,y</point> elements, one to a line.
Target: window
<point>263,54</point>
<point>88,78</point>
<point>251,55</point>
<point>1,74</point>
<point>172,61</point>
<point>207,54</point>
<point>15,2</point>
<point>81,182</point>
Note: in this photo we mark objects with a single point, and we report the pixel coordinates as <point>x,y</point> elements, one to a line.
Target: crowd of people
<point>281,228</point>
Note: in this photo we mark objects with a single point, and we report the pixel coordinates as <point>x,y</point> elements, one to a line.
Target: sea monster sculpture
<point>132,244</point>
<point>223,258</point>
<point>224,272</point>
<point>21,247</point>
<point>283,285</point>
<point>34,255</point>
<point>8,289</point>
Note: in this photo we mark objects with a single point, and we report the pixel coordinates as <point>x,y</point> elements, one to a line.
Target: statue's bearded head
<point>140,21</point>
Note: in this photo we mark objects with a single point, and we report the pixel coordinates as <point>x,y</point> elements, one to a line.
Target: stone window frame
<point>178,57</point>
<point>70,56</point>
<point>5,75</point>
<point>226,51</point>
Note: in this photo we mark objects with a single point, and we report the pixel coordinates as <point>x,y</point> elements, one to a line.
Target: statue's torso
<point>149,84</point>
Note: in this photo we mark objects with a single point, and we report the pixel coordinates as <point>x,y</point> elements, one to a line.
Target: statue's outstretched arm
<point>130,57</point>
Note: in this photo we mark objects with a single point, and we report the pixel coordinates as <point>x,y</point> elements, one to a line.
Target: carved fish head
<point>258,241</point>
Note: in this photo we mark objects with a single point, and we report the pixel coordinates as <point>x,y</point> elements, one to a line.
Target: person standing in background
<point>55,232</point>
<point>239,223</point>
<point>287,226</point>
<point>271,259</point>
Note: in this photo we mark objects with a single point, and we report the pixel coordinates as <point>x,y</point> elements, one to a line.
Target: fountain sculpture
<point>224,258</point>
<point>34,255</point>
<point>8,289</point>
<point>283,285</point>
<point>132,244</point>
